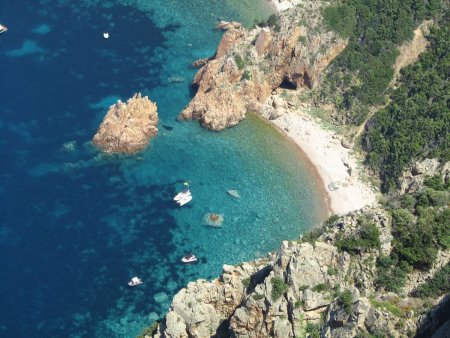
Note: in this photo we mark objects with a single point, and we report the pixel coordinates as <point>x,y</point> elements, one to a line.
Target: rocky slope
<point>128,127</point>
<point>250,64</point>
<point>312,287</point>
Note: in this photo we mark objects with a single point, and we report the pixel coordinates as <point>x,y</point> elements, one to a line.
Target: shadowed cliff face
<point>250,64</point>
<point>128,127</point>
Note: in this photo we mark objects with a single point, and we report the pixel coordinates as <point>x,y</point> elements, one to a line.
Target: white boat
<point>135,281</point>
<point>106,35</point>
<point>3,29</point>
<point>182,195</point>
<point>189,258</point>
<point>185,199</point>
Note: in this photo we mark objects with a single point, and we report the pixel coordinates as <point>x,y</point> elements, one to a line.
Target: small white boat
<point>106,35</point>
<point>3,28</point>
<point>135,281</point>
<point>186,199</point>
<point>182,195</point>
<point>189,258</point>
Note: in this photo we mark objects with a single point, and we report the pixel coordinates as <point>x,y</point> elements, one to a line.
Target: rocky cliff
<point>291,51</point>
<point>324,284</point>
<point>128,127</point>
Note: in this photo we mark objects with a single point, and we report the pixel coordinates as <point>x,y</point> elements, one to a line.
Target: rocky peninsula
<point>251,64</point>
<point>320,285</point>
<point>128,127</point>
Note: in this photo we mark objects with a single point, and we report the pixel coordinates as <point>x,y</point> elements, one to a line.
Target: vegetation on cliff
<point>359,76</point>
<point>421,227</point>
<point>416,124</point>
<point>437,285</point>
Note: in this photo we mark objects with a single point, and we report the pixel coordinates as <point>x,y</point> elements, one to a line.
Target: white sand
<point>282,5</point>
<point>326,153</point>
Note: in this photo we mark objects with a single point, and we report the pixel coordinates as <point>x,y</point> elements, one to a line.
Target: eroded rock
<point>128,127</point>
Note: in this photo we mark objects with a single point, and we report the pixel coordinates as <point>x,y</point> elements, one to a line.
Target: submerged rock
<point>128,127</point>
<point>233,193</point>
<point>226,25</point>
<point>214,220</point>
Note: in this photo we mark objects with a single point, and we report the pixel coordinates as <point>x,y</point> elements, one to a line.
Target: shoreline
<point>307,163</point>
<point>282,5</point>
<point>335,165</point>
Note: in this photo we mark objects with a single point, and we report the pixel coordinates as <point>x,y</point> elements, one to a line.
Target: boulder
<point>263,41</point>
<point>128,127</point>
<point>226,25</point>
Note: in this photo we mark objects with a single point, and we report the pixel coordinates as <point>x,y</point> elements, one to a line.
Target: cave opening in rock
<point>193,89</point>
<point>286,84</point>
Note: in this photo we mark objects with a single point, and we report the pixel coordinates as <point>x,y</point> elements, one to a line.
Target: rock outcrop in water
<point>249,65</point>
<point>128,127</point>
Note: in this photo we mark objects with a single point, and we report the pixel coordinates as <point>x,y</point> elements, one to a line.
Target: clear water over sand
<point>76,226</point>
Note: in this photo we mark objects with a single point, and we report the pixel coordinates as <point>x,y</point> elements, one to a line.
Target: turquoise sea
<point>75,226</point>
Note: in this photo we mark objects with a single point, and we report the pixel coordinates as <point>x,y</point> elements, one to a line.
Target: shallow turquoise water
<point>76,226</point>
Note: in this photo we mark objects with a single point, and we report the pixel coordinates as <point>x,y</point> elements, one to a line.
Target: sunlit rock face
<point>128,127</point>
<point>249,64</point>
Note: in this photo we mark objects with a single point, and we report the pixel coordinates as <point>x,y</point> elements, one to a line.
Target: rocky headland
<point>128,127</point>
<point>291,51</point>
<point>314,286</point>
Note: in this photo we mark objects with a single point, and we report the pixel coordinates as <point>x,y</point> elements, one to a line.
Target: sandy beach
<point>282,5</point>
<point>335,164</point>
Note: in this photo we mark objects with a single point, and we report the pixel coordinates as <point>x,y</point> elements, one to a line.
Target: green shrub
<point>299,303</point>
<point>321,287</point>
<point>390,274</point>
<point>246,282</point>
<point>387,305</point>
<point>367,238</point>
<point>239,61</point>
<point>332,271</point>
<point>279,288</point>
<point>272,21</point>
<point>258,296</point>
<point>341,19</point>
<point>302,39</point>
<point>246,75</point>
<point>345,298</point>
<point>435,182</point>
<point>413,242</point>
<point>303,287</point>
<point>312,235</point>
<point>149,331</point>
<point>313,330</point>
<point>331,220</point>
<point>437,285</point>
<point>442,228</point>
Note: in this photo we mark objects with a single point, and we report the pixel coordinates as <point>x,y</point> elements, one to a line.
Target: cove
<point>75,225</point>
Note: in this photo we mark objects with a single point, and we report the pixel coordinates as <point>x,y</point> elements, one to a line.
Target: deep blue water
<point>75,226</point>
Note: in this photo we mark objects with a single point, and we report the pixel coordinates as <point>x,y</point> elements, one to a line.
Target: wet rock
<point>226,25</point>
<point>199,63</point>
